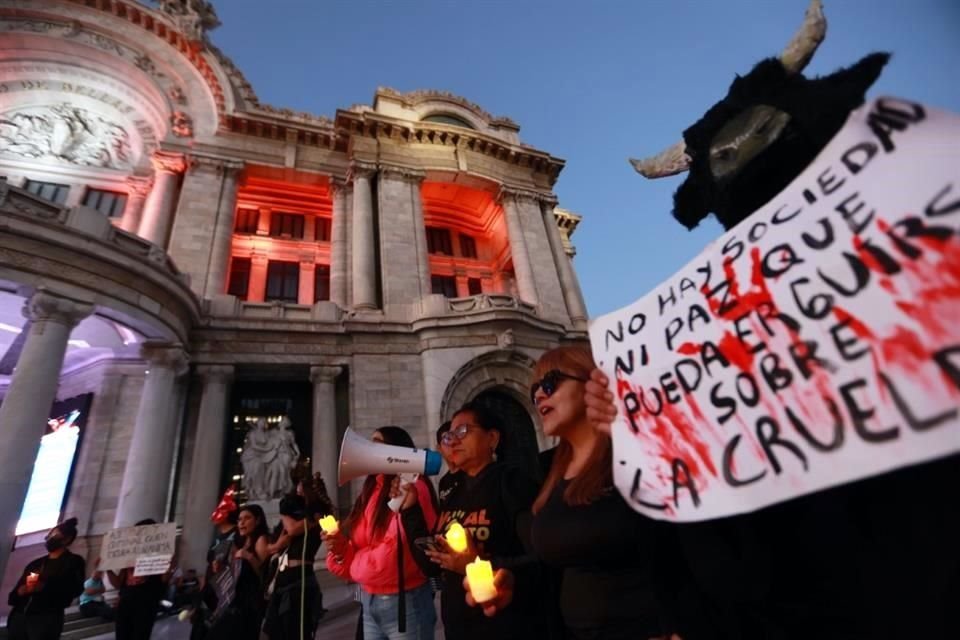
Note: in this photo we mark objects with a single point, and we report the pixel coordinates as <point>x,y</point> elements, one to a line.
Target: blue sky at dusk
<point>589,82</point>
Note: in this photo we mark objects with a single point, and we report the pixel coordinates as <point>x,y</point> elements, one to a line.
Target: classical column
<point>203,490</point>
<point>308,276</point>
<point>23,415</point>
<point>158,211</point>
<point>364,249</point>
<point>216,281</point>
<point>338,243</point>
<point>257,286</point>
<point>263,221</point>
<point>463,287</point>
<point>568,278</point>
<point>518,247</point>
<point>326,446</point>
<point>146,476</point>
<point>137,191</point>
<point>420,229</point>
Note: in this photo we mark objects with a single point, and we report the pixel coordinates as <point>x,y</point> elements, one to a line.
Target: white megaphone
<point>362,457</point>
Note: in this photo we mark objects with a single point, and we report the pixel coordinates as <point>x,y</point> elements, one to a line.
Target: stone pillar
<point>463,287</point>
<point>568,278</point>
<point>263,221</point>
<point>159,208</point>
<point>23,415</point>
<point>146,476</point>
<point>137,191</point>
<point>326,445</point>
<point>526,285</point>
<point>216,281</point>
<point>338,244</point>
<point>257,287</point>
<point>308,275</point>
<point>420,229</point>
<point>364,248</point>
<point>203,490</point>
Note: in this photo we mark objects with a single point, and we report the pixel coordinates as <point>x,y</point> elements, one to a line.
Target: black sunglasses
<point>548,383</point>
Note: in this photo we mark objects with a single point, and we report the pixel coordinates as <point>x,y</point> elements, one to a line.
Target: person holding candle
<point>490,502</point>
<point>46,587</point>
<point>373,549</point>
<point>611,584</point>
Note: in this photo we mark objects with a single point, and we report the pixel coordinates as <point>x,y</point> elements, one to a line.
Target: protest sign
<point>815,344</point>
<point>122,547</point>
<point>152,565</point>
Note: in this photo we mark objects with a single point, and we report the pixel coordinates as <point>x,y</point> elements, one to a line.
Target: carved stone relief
<point>65,133</point>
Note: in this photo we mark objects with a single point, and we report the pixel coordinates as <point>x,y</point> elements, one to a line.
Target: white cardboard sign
<point>815,344</point>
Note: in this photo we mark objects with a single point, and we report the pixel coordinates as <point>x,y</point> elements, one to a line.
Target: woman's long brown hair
<point>596,478</point>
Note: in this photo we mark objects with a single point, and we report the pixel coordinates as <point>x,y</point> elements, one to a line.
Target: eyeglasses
<point>456,434</point>
<point>548,383</point>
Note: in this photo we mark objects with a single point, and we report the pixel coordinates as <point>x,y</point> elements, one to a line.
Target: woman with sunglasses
<point>581,526</point>
<point>491,502</point>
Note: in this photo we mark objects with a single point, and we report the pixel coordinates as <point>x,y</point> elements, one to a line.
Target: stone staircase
<point>76,627</point>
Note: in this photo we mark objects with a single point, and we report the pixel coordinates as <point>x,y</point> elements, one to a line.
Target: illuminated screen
<point>53,466</point>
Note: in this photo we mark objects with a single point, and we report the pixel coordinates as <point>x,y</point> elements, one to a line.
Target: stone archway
<point>500,380</point>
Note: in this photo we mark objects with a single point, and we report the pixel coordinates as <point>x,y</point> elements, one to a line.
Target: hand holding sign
<point>812,345</point>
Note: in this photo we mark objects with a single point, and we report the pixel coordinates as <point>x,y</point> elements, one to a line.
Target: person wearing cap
<point>47,586</point>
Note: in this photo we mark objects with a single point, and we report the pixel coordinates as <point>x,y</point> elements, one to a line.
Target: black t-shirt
<point>491,506</point>
<point>606,553</point>
<point>61,580</point>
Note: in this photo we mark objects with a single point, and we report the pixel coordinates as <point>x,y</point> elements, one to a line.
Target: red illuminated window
<point>474,287</point>
<point>321,283</point>
<point>439,241</point>
<point>239,278</point>
<point>286,225</point>
<point>322,230</point>
<point>468,246</point>
<point>247,220</point>
<point>283,281</point>
<point>445,285</point>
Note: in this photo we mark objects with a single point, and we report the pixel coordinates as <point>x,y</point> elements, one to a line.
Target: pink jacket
<point>372,563</point>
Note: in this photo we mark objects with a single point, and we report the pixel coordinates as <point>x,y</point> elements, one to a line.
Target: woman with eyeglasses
<point>605,552</point>
<point>490,501</point>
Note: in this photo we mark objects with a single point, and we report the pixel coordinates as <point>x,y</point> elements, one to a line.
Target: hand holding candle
<point>329,525</point>
<point>480,579</point>
<point>456,537</point>
<point>503,582</point>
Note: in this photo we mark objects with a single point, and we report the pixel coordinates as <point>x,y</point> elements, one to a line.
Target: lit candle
<point>329,525</point>
<point>32,579</point>
<point>480,579</point>
<point>457,537</point>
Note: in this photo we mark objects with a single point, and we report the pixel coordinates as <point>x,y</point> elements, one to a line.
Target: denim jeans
<point>381,621</point>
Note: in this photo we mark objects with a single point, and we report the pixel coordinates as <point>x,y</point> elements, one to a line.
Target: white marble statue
<point>267,458</point>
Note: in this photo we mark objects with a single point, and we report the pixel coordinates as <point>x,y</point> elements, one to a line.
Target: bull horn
<point>799,51</point>
<point>666,163</point>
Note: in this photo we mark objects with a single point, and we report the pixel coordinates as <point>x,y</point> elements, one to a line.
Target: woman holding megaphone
<point>490,502</point>
<point>373,550</point>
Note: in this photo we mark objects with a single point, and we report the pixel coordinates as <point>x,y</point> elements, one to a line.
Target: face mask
<point>54,544</point>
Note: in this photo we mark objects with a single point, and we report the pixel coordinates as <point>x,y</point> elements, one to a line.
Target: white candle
<point>480,579</point>
<point>329,525</point>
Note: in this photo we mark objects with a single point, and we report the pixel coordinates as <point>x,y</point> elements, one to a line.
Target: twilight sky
<point>590,82</point>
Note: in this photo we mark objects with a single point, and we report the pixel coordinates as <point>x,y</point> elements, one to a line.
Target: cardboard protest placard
<point>815,344</point>
<point>152,565</point>
<point>122,547</point>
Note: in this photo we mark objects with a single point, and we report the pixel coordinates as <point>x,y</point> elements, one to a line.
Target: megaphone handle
<point>405,479</point>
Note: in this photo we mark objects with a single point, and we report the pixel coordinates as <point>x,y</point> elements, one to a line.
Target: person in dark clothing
<point>451,478</point>
<point>489,501</point>
<point>46,587</point>
<point>292,612</point>
<point>610,583</point>
<point>241,617</point>
<point>139,600</point>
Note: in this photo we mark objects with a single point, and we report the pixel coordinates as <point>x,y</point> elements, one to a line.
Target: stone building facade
<point>195,259</point>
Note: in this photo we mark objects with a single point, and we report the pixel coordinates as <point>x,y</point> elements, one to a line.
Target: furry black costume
<point>878,558</point>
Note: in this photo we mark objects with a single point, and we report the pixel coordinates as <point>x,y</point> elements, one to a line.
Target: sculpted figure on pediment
<point>65,133</point>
